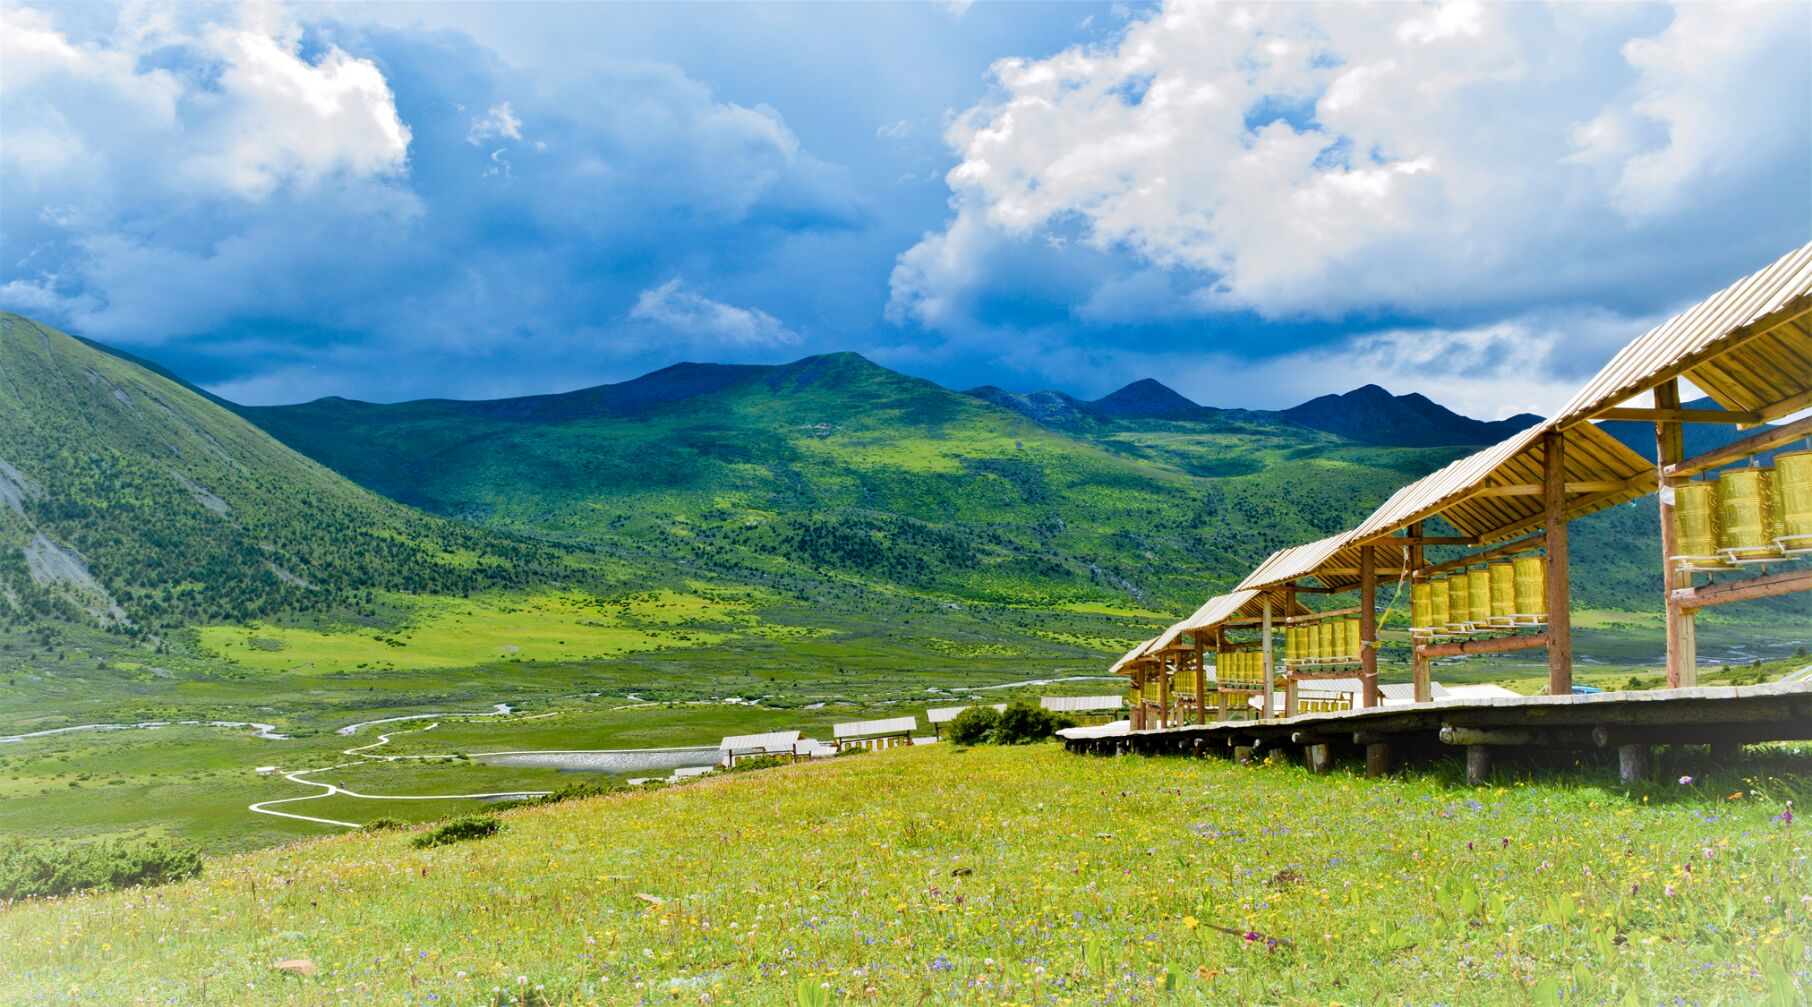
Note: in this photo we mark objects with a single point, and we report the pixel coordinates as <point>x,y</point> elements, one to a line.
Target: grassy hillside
<point>834,465</point>
<point>129,500</point>
<point>1026,875</point>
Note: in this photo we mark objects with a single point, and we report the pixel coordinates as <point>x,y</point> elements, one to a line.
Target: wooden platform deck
<point>1630,722</point>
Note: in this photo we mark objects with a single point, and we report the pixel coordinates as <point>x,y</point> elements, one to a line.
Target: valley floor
<point>990,875</point>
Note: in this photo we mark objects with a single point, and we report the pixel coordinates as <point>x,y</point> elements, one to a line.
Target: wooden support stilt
<point>1670,449</point>
<point>1632,763</point>
<point>1320,758</point>
<point>1380,759</point>
<point>1725,751</point>
<point>1242,754</point>
<point>1560,621</point>
<point>1478,765</point>
<point>1368,628</point>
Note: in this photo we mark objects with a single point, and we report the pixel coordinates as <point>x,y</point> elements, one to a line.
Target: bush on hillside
<point>757,762</point>
<point>973,726</point>
<point>458,830</point>
<point>41,869</point>
<point>385,825</point>
<point>1022,723</point>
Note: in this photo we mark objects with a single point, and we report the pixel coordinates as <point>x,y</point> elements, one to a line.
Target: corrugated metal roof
<point>774,741</point>
<point>1748,346</point>
<point>1286,565</point>
<point>1461,493</point>
<point>1082,704</point>
<point>1132,655</point>
<point>862,728</point>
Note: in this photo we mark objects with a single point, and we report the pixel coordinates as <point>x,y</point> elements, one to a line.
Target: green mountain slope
<point>836,466</point>
<point>128,498</point>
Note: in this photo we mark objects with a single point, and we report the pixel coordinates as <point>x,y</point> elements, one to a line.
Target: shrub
<point>973,726</point>
<point>459,830</point>
<point>1023,723</point>
<point>40,869</point>
<point>385,825</point>
<point>752,764</point>
<point>599,787</point>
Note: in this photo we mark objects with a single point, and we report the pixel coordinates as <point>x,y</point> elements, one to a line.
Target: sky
<point>1255,204</point>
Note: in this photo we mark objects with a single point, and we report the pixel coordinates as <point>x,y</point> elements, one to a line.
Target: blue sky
<point>1255,204</point>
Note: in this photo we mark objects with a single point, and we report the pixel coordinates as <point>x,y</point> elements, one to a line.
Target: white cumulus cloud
<point>1433,159</point>
<point>702,320</point>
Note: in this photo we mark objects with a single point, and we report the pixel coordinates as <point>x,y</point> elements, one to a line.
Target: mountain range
<point>132,498</point>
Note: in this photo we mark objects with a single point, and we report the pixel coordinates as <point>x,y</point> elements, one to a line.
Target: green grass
<point>999,876</point>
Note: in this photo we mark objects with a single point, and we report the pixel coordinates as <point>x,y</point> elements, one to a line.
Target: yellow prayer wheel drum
<point>1349,639</point>
<point>1747,516</point>
<point>1437,604</point>
<point>1531,590</point>
<point>1421,610</point>
<point>1793,502</point>
<point>1696,527</point>
<point>1459,603</point>
<point>1330,640</point>
<point>1293,641</point>
<point>1503,594</point>
<point>1478,590</point>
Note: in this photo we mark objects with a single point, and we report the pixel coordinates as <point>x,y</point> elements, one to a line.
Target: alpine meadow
<point>791,505</point>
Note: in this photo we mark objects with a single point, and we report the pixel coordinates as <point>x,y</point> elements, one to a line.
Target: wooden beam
<point>1554,525</point>
<point>1422,540</point>
<point>1672,413</point>
<point>1333,613</point>
<point>1538,489</point>
<point>1521,545</point>
<point>1754,444</point>
<point>1489,645</point>
<point>1786,407</point>
<point>1545,736</point>
<point>1669,450</point>
<point>1692,599</point>
<point>1419,663</point>
<point>1368,628</point>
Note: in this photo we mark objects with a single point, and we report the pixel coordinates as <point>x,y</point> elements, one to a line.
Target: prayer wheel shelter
<point>751,746</point>
<point>1177,659</point>
<point>1724,516</point>
<point>875,734</point>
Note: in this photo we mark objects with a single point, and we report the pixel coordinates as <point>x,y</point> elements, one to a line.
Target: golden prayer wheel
<point>1437,605</point>
<point>1696,526</point>
<point>1349,639</point>
<point>1503,594</point>
<point>1747,516</point>
<point>1459,603</point>
<point>1330,641</point>
<point>1531,590</point>
<point>1421,610</point>
<point>1478,591</point>
<point>1293,644</point>
<point>1793,502</point>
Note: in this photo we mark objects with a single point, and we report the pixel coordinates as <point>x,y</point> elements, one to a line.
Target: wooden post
<point>1560,612</point>
<point>1138,712</point>
<point>1201,683</point>
<point>1420,664</point>
<point>1368,628</point>
<point>1670,449</point>
<point>1163,694</point>
<point>1265,713</point>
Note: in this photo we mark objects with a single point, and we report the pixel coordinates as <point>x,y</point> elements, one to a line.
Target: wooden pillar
<point>1670,447</point>
<point>1138,710</point>
<point>1560,609</point>
<point>1368,628</point>
<point>1265,661</point>
<point>1163,694</point>
<point>1201,683</point>
<point>1420,666</point>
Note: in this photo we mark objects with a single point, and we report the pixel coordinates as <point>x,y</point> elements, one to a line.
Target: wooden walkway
<point>1630,722</point>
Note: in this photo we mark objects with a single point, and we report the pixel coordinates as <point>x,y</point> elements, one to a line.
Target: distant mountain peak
<point>1371,414</point>
<point>1146,398</point>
